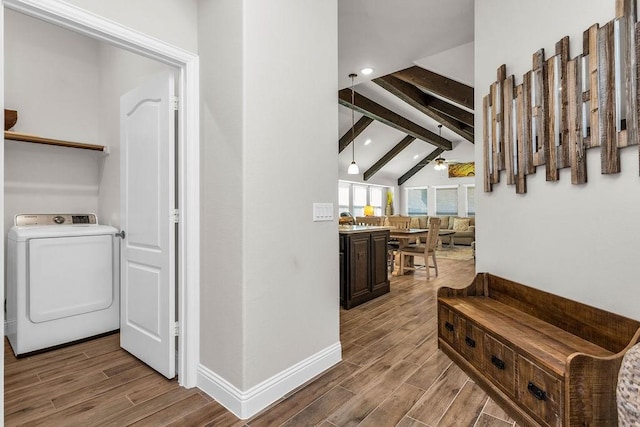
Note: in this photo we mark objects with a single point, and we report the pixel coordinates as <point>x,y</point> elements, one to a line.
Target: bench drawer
<point>470,341</point>
<point>540,392</point>
<point>447,326</point>
<point>499,364</point>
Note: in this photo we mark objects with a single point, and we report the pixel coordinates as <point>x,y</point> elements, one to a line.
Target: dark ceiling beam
<point>360,125</point>
<point>456,113</point>
<point>387,157</point>
<point>422,163</point>
<point>437,84</point>
<point>377,112</point>
<point>418,99</point>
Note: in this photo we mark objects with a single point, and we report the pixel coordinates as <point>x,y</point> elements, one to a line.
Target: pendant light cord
<point>353,167</point>
<point>353,125</point>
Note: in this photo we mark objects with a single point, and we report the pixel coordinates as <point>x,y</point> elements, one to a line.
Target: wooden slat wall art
<point>553,118</point>
<point>495,125</point>
<point>527,125</point>
<point>565,106</point>
<point>486,140</point>
<point>626,12</point>
<point>610,159</point>
<point>493,142</point>
<point>540,105</point>
<point>508,120</point>
<point>562,52</point>
<point>621,83</point>
<point>575,140</point>
<point>520,149</point>
<point>637,49</point>
<point>498,124</point>
<point>496,132</point>
<point>594,133</point>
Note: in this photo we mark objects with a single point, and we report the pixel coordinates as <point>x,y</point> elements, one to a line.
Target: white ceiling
<point>389,36</point>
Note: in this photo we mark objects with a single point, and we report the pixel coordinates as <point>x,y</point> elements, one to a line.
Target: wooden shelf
<point>15,136</point>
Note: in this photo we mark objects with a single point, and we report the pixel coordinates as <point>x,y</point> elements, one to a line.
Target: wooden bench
<point>545,359</point>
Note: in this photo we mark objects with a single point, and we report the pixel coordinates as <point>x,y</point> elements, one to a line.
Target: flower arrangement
<point>389,209</point>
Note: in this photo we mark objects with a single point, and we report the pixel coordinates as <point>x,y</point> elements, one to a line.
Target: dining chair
<point>401,222</point>
<point>369,220</point>
<point>423,250</point>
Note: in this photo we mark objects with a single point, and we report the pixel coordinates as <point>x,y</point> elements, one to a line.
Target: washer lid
<point>26,232</point>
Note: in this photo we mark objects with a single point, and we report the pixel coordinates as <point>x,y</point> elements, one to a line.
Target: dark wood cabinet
<point>380,265</point>
<point>363,266</point>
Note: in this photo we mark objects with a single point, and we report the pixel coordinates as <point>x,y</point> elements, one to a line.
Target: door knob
<point>121,234</point>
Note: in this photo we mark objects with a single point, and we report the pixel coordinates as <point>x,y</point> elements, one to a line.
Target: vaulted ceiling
<point>422,55</point>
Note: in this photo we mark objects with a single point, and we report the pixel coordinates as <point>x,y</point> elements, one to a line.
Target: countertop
<point>350,229</point>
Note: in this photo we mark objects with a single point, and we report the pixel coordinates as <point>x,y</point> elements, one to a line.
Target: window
<point>447,201</point>
<point>344,197</point>
<point>471,200</point>
<point>359,200</point>
<point>353,197</point>
<point>417,201</point>
<point>375,199</point>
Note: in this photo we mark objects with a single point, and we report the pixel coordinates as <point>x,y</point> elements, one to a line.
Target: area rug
<point>462,253</point>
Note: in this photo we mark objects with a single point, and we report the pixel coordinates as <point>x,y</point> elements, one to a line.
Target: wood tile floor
<point>391,375</point>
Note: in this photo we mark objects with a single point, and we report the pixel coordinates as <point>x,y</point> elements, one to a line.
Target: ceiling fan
<point>440,162</point>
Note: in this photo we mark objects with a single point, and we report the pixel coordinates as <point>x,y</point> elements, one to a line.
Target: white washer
<point>62,280</point>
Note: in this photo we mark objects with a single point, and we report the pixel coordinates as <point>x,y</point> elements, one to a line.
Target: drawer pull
<point>497,362</point>
<point>537,392</point>
<point>470,342</point>
<point>448,326</point>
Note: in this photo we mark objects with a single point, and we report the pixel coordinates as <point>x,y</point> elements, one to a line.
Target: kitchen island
<point>363,263</point>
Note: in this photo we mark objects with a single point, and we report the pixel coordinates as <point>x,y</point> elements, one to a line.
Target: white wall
<point>52,79</point>
<point>222,184</point>
<point>293,313</point>
<point>576,241</point>
<point>60,68</point>
<point>269,274</point>
<point>173,21</point>
<point>455,63</point>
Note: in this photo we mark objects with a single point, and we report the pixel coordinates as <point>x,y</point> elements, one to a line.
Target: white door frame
<point>79,20</point>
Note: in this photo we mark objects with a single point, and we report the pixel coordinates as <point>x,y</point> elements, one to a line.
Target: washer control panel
<point>55,219</point>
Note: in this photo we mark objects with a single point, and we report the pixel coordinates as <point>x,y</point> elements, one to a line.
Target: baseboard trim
<point>245,404</point>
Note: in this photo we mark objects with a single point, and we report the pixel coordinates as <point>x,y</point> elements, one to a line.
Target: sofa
<point>464,227</point>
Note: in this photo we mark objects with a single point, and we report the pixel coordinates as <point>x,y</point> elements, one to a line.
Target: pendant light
<point>353,167</point>
<point>440,162</point>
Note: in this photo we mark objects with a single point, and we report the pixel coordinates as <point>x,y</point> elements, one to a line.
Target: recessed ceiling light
<point>367,142</point>
<point>366,71</point>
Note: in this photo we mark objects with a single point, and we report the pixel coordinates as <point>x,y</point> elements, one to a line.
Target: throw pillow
<point>424,221</point>
<point>444,222</point>
<point>460,224</point>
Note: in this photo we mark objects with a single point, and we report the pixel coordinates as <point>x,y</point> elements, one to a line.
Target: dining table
<point>404,236</point>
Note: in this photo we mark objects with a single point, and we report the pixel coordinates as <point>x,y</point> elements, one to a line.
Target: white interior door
<point>147,199</point>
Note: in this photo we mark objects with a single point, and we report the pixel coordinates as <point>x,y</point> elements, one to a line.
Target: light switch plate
<point>322,212</point>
